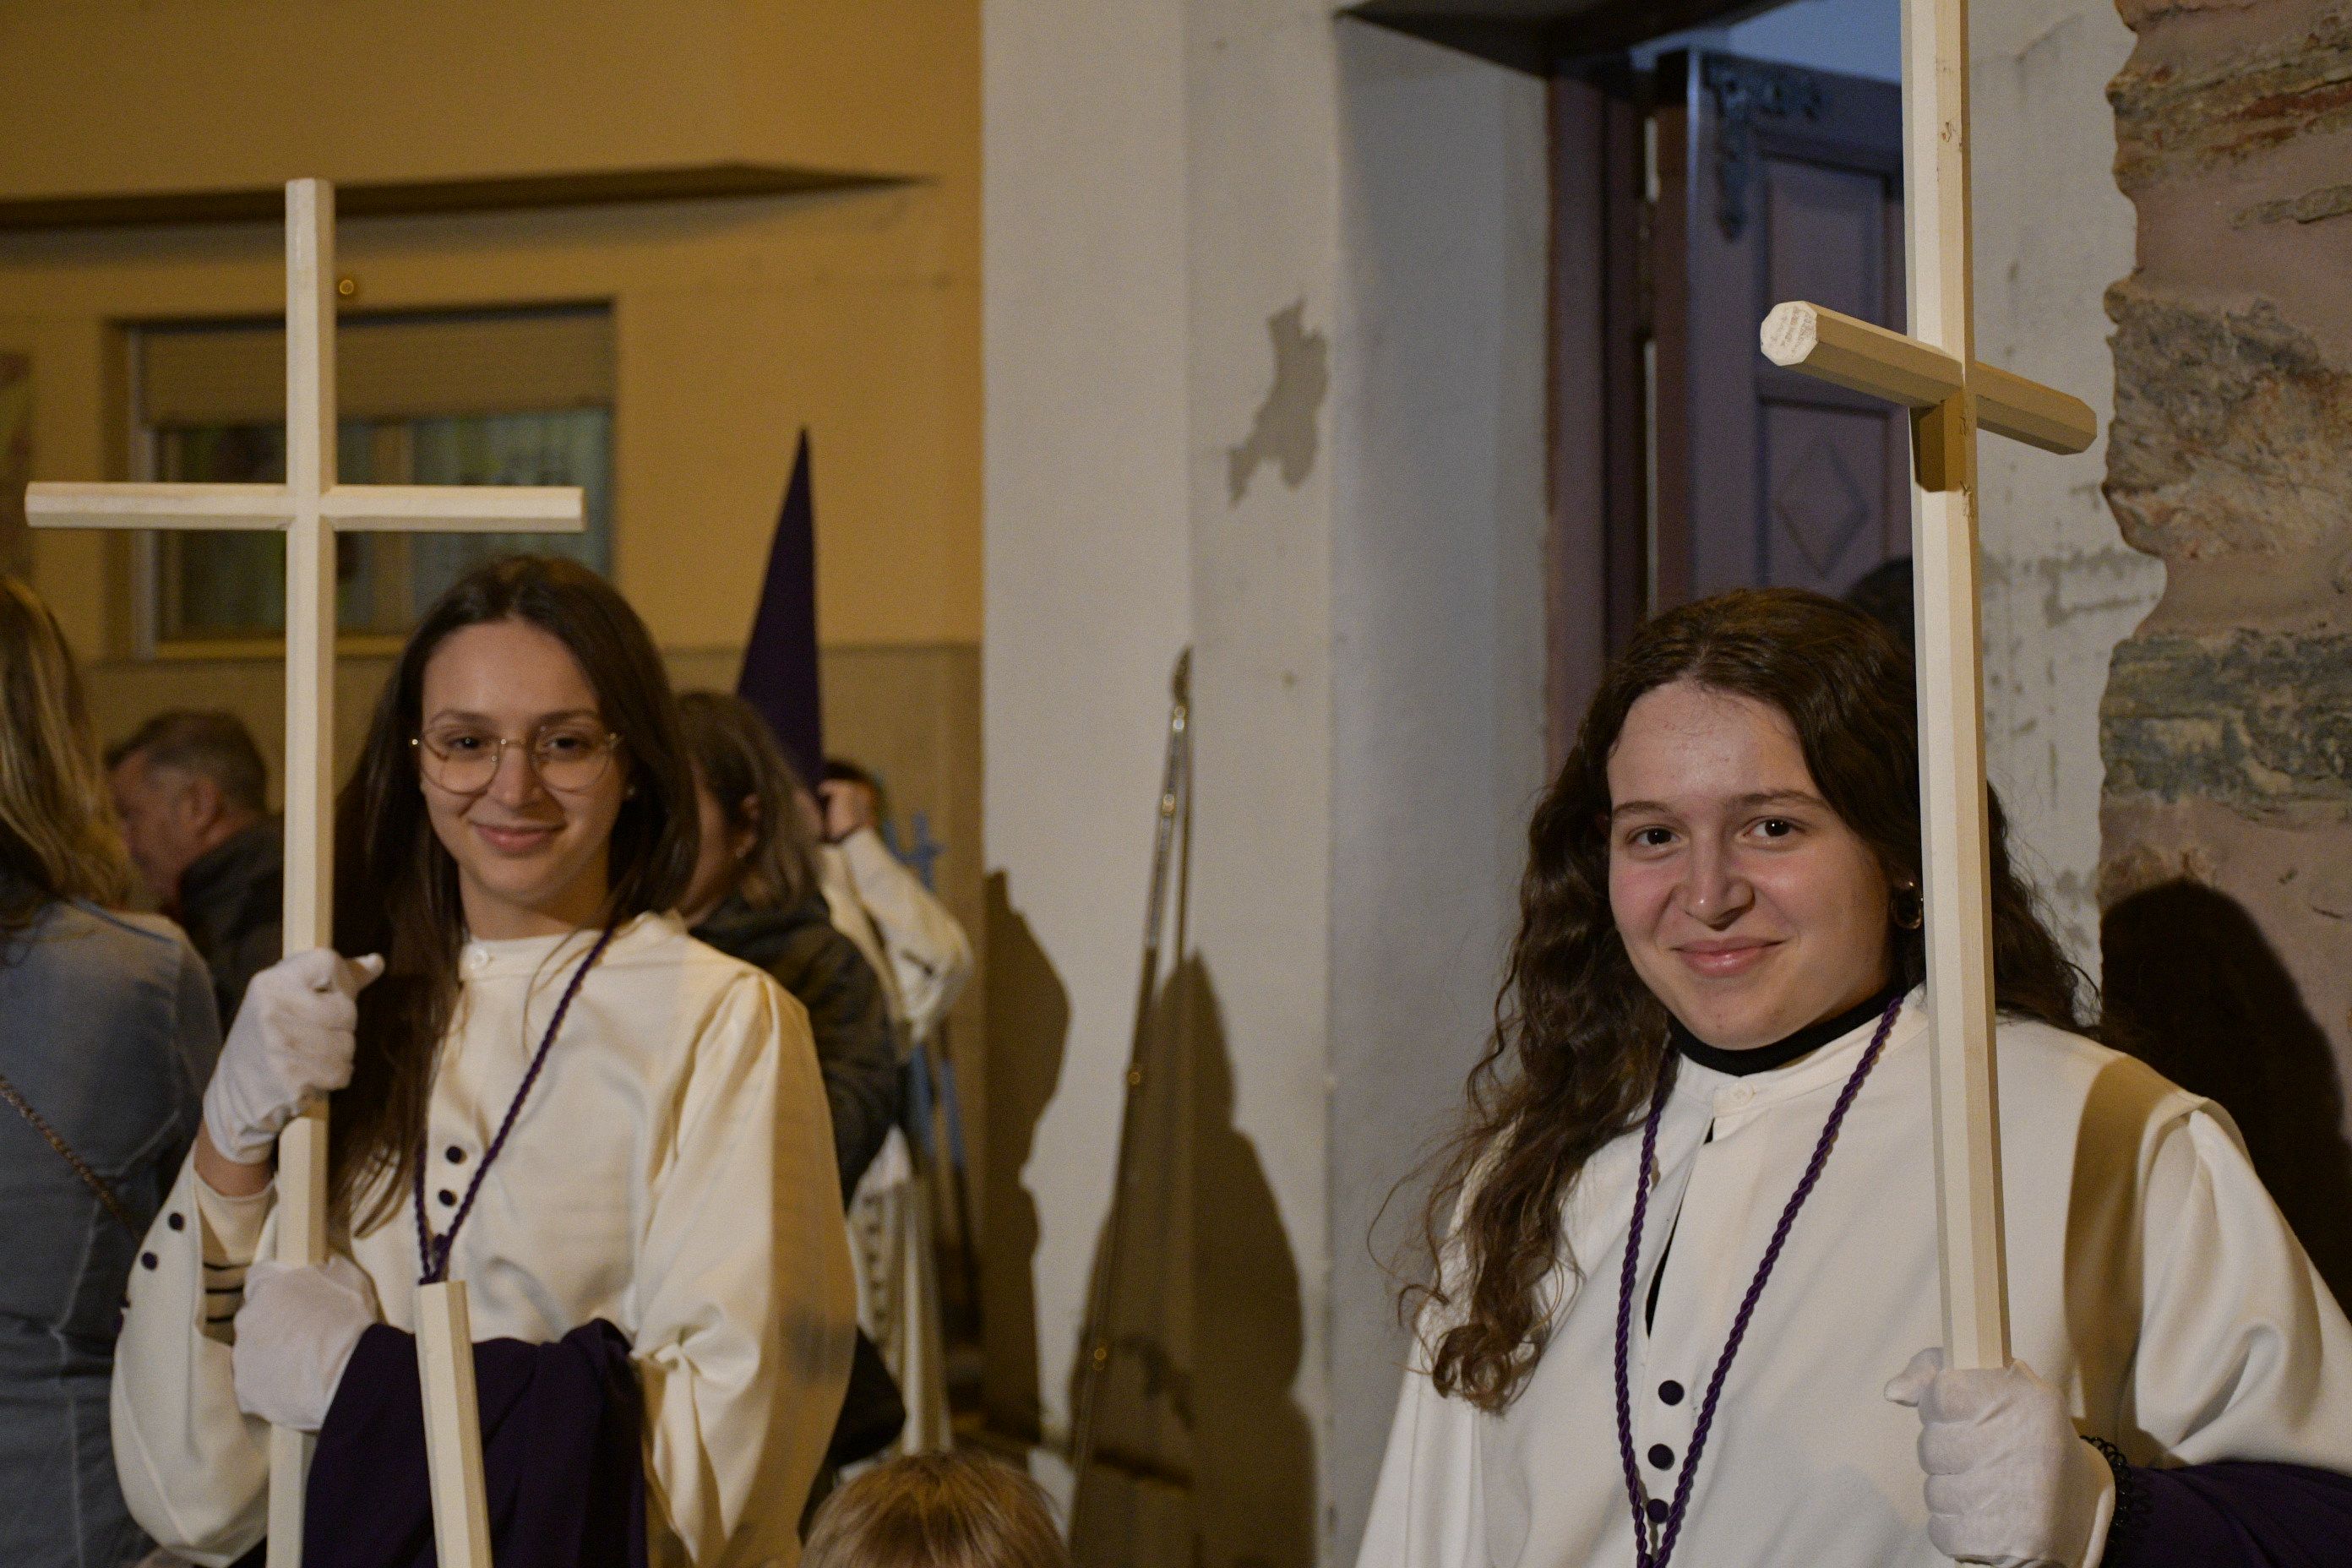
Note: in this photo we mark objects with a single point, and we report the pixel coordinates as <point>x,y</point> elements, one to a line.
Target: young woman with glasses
<point>540,1084</point>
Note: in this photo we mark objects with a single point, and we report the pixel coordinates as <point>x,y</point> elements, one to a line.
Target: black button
<point>147,1259</point>
<point>177,1222</point>
<point>1662,1455</point>
<point>446,1197</point>
<point>454,1155</point>
<point>1671,1392</point>
<point>1657,1510</point>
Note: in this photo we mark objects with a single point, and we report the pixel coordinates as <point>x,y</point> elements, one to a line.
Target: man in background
<point>192,792</point>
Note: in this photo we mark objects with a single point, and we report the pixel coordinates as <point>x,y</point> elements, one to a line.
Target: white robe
<point>2150,1277</point>
<point>925,960</point>
<point>672,1172</point>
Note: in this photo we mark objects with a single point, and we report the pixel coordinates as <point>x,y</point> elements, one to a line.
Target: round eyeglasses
<point>463,759</point>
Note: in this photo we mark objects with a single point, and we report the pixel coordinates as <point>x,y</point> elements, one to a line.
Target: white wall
<point>1164,194</point>
<point>2061,587</point>
<point>1087,554</point>
<point>1438,625</point>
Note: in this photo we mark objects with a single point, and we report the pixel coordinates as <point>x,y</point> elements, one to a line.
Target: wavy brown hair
<point>1580,1041</point>
<point>58,833</point>
<point>736,753</point>
<point>396,886</point>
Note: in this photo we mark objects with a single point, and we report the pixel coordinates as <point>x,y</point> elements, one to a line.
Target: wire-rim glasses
<point>567,757</point>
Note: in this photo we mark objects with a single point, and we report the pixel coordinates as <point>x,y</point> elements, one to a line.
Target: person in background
<point>880,902</point>
<point>936,1510</point>
<point>755,896</point>
<point>929,958</point>
<point>107,1035</point>
<point>192,794</point>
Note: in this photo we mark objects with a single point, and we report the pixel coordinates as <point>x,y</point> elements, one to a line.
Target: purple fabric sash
<point>2234,1514</point>
<point>560,1454</point>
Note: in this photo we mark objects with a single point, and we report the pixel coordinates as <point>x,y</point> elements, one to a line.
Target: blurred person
<point>936,1510</point>
<point>755,896</point>
<point>929,958</point>
<point>107,1035</point>
<point>192,792</point>
<point>880,901</point>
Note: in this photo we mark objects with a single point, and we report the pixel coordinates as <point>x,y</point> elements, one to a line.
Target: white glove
<point>292,1040</point>
<point>2008,1481</point>
<point>294,1334</point>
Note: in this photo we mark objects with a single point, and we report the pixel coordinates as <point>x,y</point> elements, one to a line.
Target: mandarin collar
<point>1825,1068</point>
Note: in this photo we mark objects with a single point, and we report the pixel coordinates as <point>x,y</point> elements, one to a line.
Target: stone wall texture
<point>2226,863</point>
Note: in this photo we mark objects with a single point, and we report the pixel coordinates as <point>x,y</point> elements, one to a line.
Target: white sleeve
<point>1428,1510</point>
<point>194,1469</point>
<point>2243,1353</point>
<point>746,1309</point>
<point>930,958</point>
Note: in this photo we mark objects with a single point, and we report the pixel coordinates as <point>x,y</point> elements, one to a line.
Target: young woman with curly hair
<point>1683,1277</point>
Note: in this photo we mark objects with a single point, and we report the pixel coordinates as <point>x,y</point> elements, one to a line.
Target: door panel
<point>1773,183</point>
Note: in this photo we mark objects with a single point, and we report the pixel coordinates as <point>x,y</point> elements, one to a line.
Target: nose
<point>1717,893</point>
<point>515,782</point>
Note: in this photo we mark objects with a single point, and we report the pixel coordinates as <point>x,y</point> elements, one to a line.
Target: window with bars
<point>520,397</point>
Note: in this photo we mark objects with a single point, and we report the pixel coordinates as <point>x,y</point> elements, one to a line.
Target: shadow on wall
<point>1028,1029</point>
<point>2192,987</point>
<point>1202,1455</point>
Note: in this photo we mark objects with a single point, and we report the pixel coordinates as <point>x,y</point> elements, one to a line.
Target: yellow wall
<point>738,321</point>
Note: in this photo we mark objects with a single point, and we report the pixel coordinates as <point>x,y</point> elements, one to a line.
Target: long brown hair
<point>58,833</point>
<point>396,886</point>
<point>1579,1041</point>
<point>736,753</point>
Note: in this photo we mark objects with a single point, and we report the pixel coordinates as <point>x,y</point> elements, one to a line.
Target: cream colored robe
<point>672,1172</point>
<point>2150,1277</point>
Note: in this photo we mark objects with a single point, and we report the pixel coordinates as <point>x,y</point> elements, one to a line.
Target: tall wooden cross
<point>1935,373</point>
<point>310,509</point>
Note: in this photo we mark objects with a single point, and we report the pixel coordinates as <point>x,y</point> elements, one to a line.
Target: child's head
<point>936,1510</point>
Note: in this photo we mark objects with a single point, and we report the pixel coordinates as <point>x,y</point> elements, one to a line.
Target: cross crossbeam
<point>310,509</point>
<point>1934,372</point>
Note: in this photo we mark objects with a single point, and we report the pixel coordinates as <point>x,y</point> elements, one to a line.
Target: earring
<point>1910,909</point>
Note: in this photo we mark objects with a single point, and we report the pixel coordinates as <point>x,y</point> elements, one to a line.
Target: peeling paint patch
<point>1284,431</point>
<point>2254,721</point>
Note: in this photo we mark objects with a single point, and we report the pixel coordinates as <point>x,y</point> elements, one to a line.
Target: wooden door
<point>1769,183</point>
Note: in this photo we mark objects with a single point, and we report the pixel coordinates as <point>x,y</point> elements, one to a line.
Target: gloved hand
<point>294,1334</point>
<point>2008,1481</point>
<point>292,1039</point>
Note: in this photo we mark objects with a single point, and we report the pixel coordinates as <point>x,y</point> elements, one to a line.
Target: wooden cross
<point>1935,373</point>
<point>310,509</point>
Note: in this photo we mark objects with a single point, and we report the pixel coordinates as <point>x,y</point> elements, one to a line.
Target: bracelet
<point>2131,1505</point>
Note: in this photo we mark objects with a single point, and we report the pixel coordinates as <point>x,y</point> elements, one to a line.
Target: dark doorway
<point>1690,197</point>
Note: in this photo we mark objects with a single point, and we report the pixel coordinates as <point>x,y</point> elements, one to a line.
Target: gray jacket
<point>107,1029</point>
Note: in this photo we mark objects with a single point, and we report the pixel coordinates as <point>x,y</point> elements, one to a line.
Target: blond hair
<point>57,834</point>
<point>936,1510</point>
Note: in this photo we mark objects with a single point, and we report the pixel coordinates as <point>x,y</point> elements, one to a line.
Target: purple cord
<point>1674,1520</point>
<point>432,1251</point>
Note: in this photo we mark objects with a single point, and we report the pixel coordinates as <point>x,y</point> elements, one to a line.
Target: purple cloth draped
<point>778,676</point>
<point>562,1428</point>
<point>2236,1514</point>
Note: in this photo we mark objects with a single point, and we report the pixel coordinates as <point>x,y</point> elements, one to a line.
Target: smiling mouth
<point>1726,961</point>
<point>514,838</point>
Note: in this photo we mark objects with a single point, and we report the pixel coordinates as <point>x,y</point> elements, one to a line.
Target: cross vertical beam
<point>310,508</point>
<point>1934,373</point>
<point>1957,892</point>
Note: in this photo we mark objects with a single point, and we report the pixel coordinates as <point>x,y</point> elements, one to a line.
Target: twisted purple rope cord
<point>432,1251</point>
<point>1673,1522</point>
